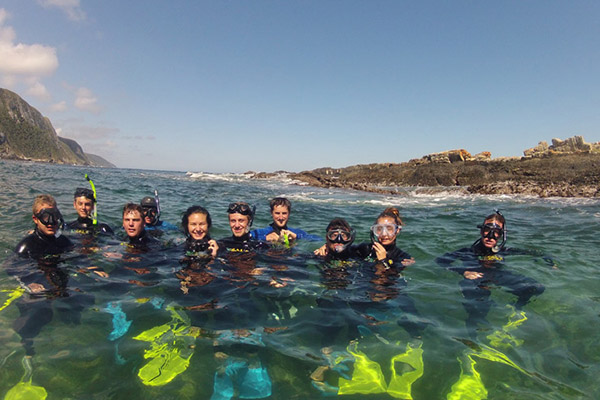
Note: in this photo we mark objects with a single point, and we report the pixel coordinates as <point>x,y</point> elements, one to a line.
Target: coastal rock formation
<point>25,134</point>
<point>567,168</point>
<point>576,144</point>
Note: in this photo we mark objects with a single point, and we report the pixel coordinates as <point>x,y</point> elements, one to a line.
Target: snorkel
<point>95,210</point>
<point>497,248</point>
<point>157,204</point>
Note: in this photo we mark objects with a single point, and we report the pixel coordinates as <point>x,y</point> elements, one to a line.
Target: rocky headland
<point>566,168</point>
<point>25,134</point>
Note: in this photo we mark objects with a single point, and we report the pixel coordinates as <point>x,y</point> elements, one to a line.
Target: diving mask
<point>151,213</point>
<point>492,231</point>
<point>340,236</point>
<point>386,229</point>
<point>241,208</point>
<point>50,217</point>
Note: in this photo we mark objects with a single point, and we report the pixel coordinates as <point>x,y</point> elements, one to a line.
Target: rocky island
<point>566,168</point>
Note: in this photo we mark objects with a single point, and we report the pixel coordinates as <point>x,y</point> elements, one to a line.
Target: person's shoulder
<point>261,233</point>
<point>168,226</point>
<point>22,248</point>
<point>104,228</point>
<point>362,250</point>
<point>64,241</point>
<point>72,225</point>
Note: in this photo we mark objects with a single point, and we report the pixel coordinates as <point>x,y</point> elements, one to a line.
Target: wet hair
<point>391,212</point>
<point>280,201</point>
<point>41,200</point>
<point>495,218</point>
<point>194,210</point>
<point>84,192</point>
<point>338,223</point>
<point>129,207</point>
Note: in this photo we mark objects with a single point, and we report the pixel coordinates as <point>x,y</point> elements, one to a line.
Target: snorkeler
<point>364,317</point>
<point>151,213</point>
<point>240,217</point>
<point>84,202</point>
<point>278,229</point>
<point>134,225</point>
<point>339,238</point>
<point>46,240</point>
<point>384,233</point>
<point>196,223</point>
<point>44,280</point>
<point>483,268</point>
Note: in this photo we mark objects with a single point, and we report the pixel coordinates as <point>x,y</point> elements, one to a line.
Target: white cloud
<point>24,63</point>
<point>86,100</point>
<point>72,8</point>
<point>39,91</point>
<point>59,107</point>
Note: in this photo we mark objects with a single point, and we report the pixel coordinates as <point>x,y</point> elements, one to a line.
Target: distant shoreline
<point>559,175</point>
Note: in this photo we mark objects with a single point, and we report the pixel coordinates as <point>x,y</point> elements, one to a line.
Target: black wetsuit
<point>385,288</point>
<point>476,292</point>
<point>242,244</point>
<point>85,226</point>
<point>143,242</point>
<point>35,311</point>
<point>38,246</point>
<point>239,270</point>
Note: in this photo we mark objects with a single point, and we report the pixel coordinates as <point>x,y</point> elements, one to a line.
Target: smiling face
<point>197,226</point>
<point>83,206</point>
<point>239,224</point>
<point>389,230</point>
<point>280,215</point>
<point>133,223</point>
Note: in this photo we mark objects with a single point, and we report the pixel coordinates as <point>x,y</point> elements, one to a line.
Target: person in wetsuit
<point>241,216</point>
<point>43,280</point>
<point>386,275</point>
<point>46,240</point>
<point>84,202</point>
<point>134,225</point>
<point>278,229</point>
<point>482,267</point>
<point>151,213</point>
<point>199,249</point>
<point>374,301</point>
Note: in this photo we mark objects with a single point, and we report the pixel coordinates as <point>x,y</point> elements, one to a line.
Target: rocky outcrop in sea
<point>566,168</point>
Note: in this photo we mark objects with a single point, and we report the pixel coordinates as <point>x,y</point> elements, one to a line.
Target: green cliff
<point>25,134</point>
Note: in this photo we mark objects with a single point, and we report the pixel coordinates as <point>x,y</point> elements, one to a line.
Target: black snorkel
<point>497,248</point>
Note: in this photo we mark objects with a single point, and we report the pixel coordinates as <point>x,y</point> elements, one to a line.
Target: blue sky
<point>232,86</point>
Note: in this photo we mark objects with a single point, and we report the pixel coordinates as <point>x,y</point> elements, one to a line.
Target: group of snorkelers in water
<point>481,266</point>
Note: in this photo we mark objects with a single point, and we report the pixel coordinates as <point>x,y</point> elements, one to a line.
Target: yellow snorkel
<point>95,212</point>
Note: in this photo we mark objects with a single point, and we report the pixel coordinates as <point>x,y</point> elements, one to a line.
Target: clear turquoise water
<point>557,358</point>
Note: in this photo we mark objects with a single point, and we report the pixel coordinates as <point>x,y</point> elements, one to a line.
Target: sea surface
<point>265,323</point>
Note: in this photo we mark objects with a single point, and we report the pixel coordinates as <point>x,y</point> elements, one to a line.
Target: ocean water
<point>273,319</point>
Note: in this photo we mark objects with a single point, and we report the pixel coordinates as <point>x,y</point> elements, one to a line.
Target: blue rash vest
<point>161,225</point>
<point>261,234</point>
